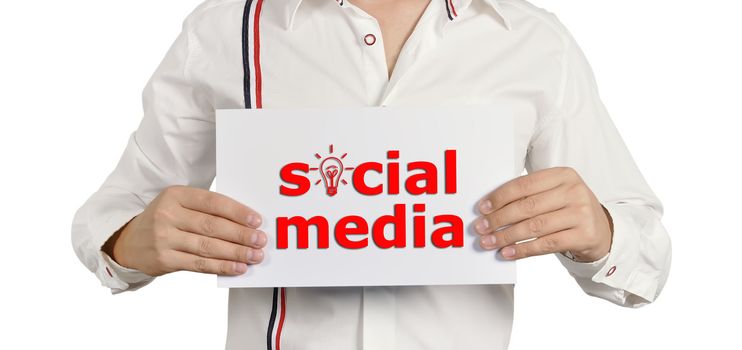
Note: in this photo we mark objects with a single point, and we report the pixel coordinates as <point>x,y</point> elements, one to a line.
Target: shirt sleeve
<point>579,133</point>
<point>173,145</point>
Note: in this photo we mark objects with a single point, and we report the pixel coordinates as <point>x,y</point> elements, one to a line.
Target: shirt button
<point>369,39</point>
<point>611,271</point>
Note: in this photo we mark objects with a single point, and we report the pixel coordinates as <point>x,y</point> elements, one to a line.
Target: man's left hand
<point>548,211</point>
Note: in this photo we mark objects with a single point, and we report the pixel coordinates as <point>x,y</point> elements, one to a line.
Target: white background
<point>669,72</point>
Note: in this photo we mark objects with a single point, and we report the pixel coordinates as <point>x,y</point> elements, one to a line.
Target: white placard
<point>334,162</point>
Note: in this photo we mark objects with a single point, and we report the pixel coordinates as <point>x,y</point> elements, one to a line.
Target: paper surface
<point>466,152</point>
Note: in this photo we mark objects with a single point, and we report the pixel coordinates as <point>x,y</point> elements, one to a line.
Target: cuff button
<point>109,272</point>
<point>611,271</point>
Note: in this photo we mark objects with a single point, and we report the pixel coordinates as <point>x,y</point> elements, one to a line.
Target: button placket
<point>374,60</point>
<point>374,67</point>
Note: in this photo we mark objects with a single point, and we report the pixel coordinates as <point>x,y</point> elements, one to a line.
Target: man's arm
<point>584,197</point>
<point>184,227</point>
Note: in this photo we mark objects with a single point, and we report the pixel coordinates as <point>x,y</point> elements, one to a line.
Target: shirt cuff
<point>583,269</point>
<point>613,277</point>
<point>124,274</point>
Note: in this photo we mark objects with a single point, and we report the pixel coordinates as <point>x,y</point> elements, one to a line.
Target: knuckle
<point>161,261</point>
<point>494,220</point>
<point>506,237</point>
<point>160,231</point>
<point>208,225</point>
<point>584,211</point>
<point>498,199</point>
<point>160,239</point>
<point>204,247</point>
<point>525,184</point>
<point>536,225</point>
<point>549,244</point>
<point>162,214</point>
<point>244,236</point>
<point>225,268</point>
<point>201,265</point>
<point>527,205</point>
<point>240,253</point>
<point>212,203</point>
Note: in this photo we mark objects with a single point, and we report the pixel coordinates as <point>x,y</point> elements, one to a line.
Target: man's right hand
<point>187,228</point>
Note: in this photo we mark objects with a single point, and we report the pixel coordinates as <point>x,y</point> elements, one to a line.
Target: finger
<point>208,247</point>
<point>523,186</point>
<point>522,209</point>
<point>534,227</point>
<point>217,227</point>
<point>219,205</point>
<point>189,262</point>
<point>556,242</point>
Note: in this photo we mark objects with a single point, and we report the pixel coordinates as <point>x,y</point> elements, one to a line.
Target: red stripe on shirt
<point>280,321</point>
<point>256,56</point>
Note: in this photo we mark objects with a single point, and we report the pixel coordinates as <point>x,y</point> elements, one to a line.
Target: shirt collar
<point>454,8</point>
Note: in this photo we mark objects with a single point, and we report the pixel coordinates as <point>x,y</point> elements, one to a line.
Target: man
<point>583,198</point>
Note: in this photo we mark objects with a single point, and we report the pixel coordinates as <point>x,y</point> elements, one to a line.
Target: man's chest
<point>326,60</point>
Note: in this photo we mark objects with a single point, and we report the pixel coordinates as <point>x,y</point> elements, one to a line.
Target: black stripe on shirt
<point>246,53</point>
<point>448,10</point>
<point>272,320</point>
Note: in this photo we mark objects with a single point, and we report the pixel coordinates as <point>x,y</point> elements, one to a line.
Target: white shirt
<point>328,53</point>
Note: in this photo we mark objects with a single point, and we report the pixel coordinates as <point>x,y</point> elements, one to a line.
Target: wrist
<point>610,220</point>
<point>603,249</point>
<point>111,246</point>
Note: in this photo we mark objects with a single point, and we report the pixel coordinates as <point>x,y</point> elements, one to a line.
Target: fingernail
<point>254,220</point>
<point>240,267</point>
<point>257,256</point>
<point>482,225</point>
<point>508,252</point>
<point>260,238</point>
<point>488,241</point>
<point>485,205</point>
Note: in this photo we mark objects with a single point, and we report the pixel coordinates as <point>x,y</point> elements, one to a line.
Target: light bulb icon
<point>331,170</point>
